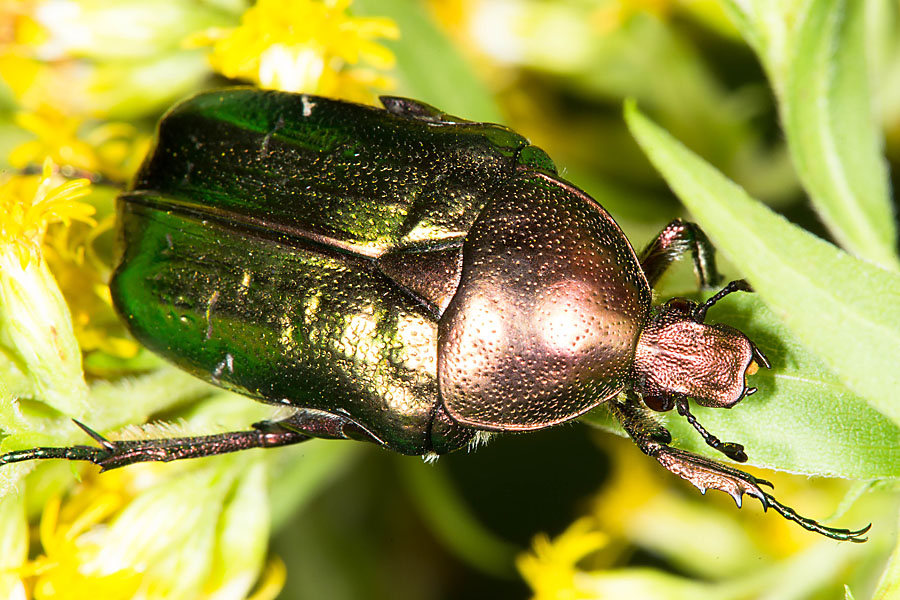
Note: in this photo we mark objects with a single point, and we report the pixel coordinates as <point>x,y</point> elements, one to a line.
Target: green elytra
<point>291,301</point>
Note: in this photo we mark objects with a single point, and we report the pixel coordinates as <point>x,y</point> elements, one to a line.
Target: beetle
<point>405,277</point>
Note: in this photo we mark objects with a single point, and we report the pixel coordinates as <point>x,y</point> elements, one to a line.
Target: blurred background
<point>571,512</point>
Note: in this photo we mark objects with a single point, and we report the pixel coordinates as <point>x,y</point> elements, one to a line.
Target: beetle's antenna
<point>738,285</point>
<point>732,450</point>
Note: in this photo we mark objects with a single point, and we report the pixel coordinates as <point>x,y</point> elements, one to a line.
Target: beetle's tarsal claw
<point>742,285</point>
<point>107,445</point>
<point>707,474</point>
<point>844,535</point>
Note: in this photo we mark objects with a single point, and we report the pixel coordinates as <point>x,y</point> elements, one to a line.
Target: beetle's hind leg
<point>672,242</point>
<point>112,454</point>
<point>706,474</point>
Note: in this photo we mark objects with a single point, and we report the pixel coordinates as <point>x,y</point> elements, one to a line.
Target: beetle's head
<point>678,356</point>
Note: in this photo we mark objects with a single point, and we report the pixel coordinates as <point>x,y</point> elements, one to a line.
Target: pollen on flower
<point>20,31</point>
<point>30,203</point>
<point>303,46</point>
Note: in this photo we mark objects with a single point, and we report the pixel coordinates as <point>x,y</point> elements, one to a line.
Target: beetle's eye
<point>659,403</point>
<point>682,305</point>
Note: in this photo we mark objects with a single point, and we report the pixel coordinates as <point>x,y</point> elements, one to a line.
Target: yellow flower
<point>58,572</point>
<point>111,149</point>
<point>158,532</point>
<point>82,272</point>
<point>20,28</point>
<point>29,204</point>
<point>303,46</point>
<point>99,58</point>
<point>57,139</point>
<point>35,323</point>
<point>550,569</point>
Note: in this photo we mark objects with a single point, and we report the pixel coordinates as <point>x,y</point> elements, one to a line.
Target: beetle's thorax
<point>551,301</point>
<point>680,356</point>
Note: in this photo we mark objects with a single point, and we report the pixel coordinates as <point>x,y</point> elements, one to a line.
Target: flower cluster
<point>304,46</point>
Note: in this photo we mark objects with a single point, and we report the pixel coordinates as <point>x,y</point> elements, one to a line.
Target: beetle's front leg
<point>638,422</point>
<point>706,474</point>
<point>701,472</point>
<point>673,241</point>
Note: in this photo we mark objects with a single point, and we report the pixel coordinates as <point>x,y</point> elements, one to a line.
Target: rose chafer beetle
<point>408,278</point>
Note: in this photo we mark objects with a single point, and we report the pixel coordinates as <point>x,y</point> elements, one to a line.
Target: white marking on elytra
<point>209,308</point>
<point>225,363</point>
<point>308,105</point>
<point>264,147</point>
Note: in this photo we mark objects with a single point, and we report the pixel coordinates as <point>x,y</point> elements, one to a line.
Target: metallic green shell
<point>270,243</point>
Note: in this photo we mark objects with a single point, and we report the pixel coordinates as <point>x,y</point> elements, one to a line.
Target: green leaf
<point>845,310</point>
<point>815,55</point>
<point>429,65</point>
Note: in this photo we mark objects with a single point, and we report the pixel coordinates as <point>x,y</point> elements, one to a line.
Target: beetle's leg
<point>706,474</point>
<point>701,472</point>
<point>639,421</point>
<point>112,454</point>
<point>732,450</point>
<point>674,240</point>
<point>115,454</point>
